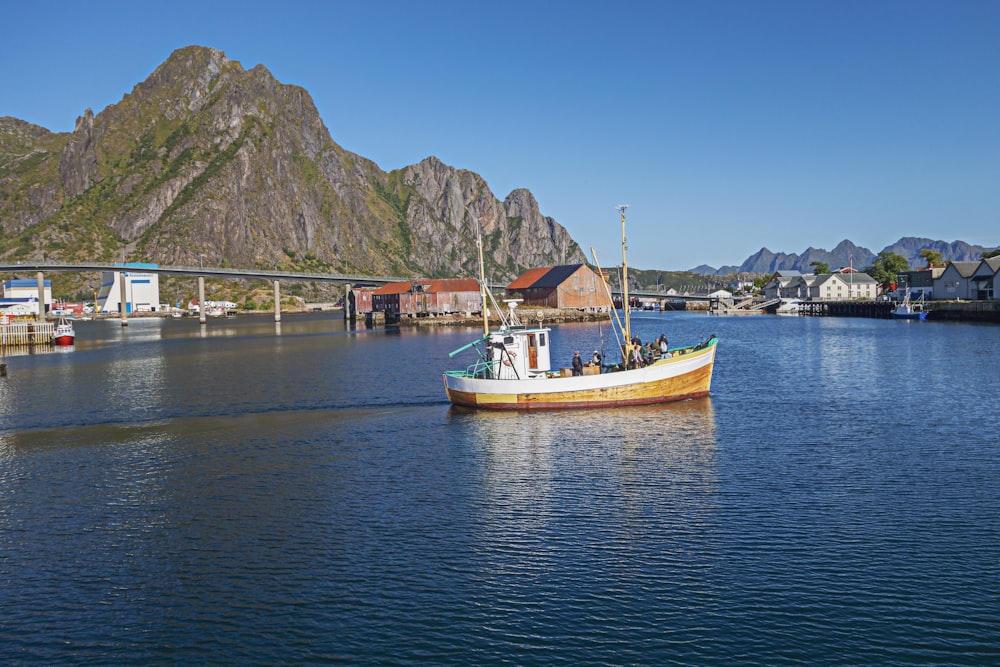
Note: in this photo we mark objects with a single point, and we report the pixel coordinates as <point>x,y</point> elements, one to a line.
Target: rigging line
<point>611,311</point>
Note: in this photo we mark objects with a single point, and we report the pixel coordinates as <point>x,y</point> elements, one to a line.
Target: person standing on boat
<point>636,361</point>
<point>664,347</point>
<point>577,363</point>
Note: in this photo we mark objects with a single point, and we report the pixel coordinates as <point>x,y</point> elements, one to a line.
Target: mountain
<point>206,162</point>
<point>765,262</point>
<point>956,251</point>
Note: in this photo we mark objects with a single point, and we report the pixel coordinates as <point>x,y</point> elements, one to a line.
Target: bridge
<point>660,296</point>
<point>200,272</point>
<point>19,267</point>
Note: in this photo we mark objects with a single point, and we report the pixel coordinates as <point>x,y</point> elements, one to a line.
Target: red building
<point>568,286</point>
<point>426,298</point>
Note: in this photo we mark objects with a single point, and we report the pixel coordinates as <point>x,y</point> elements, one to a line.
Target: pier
<point>955,311</point>
<point>875,309</point>
<point>24,333</point>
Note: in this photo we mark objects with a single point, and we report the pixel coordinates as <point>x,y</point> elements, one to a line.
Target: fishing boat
<point>64,334</point>
<point>909,310</point>
<point>514,369</point>
<point>788,307</point>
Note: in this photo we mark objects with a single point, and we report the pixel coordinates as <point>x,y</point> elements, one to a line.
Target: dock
<point>875,309</point>
<point>26,333</point>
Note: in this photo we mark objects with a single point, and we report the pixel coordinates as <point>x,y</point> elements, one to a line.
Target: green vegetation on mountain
<point>207,163</point>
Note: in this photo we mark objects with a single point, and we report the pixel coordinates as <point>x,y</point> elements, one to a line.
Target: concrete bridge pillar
<point>201,299</point>
<point>123,298</point>
<point>277,302</point>
<point>40,316</point>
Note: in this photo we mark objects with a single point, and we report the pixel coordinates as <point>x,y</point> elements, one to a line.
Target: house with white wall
<point>847,285</point>
<point>984,279</point>
<point>956,282</point>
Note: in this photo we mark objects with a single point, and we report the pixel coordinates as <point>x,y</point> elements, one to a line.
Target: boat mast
<point>483,305</point>
<point>625,303</point>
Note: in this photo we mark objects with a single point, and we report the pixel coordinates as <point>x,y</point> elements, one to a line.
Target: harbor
<point>203,477</point>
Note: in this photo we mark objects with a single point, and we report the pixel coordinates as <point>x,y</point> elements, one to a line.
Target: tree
<point>886,266</point>
<point>820,268</point>
<point>932,257</point>
<point>991,253</point>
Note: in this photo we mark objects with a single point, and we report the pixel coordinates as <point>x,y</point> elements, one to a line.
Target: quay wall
<point>955,311</point>
<point>965,311</point>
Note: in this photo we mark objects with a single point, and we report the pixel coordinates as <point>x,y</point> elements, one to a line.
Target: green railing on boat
<point>480,369</point>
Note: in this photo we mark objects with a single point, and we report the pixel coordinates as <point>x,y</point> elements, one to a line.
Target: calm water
<point>246,493</point>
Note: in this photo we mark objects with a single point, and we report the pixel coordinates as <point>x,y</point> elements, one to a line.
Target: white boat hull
<point>683,376</point>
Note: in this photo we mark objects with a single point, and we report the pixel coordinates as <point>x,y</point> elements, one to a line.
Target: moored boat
<point>909,310</point>
<point>788,307</point>
<point>514,370</point>
<point>64,334</point>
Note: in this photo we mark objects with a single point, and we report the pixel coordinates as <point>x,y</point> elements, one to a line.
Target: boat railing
<point>479,369</point>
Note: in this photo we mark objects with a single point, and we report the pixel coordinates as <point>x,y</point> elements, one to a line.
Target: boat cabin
<point>519,353</point>
<point>515,351</point>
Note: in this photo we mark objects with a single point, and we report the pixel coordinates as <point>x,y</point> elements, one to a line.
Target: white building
<point>19,309</point>
<point>142,289</point>
<point>24,293</point>
<point>847,285</point>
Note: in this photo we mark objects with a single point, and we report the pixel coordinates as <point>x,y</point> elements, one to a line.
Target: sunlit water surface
<point>247,492</point>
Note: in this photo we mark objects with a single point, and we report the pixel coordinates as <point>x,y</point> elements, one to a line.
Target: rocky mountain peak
<point>78,161</point>
<point>207,162</point>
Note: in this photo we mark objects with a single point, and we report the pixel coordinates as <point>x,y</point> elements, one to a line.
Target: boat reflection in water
<point>540,467</point>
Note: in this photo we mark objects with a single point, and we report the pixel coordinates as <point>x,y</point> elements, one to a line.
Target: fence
<point>27,333</point>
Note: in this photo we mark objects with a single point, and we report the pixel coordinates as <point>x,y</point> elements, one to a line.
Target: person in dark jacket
<point>577,363</point>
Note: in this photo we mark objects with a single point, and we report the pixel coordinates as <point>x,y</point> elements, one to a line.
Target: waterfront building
<point>786,284</point>
<point>142,289</point>
<point>844,285</point>
<point>25,292</point>
<point>984,279</point>
<point>955,282</point>
<point>568,286</point>
<point>920,282</point>
<point>426,298</point>
<point>19,309</point>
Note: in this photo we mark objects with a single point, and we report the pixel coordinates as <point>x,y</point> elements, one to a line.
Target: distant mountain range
<point>764,261</point>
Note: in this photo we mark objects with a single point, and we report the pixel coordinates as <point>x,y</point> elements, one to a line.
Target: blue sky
<point>726,125</point>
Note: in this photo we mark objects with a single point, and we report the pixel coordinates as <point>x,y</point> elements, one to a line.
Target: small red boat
<point>65,335</point>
